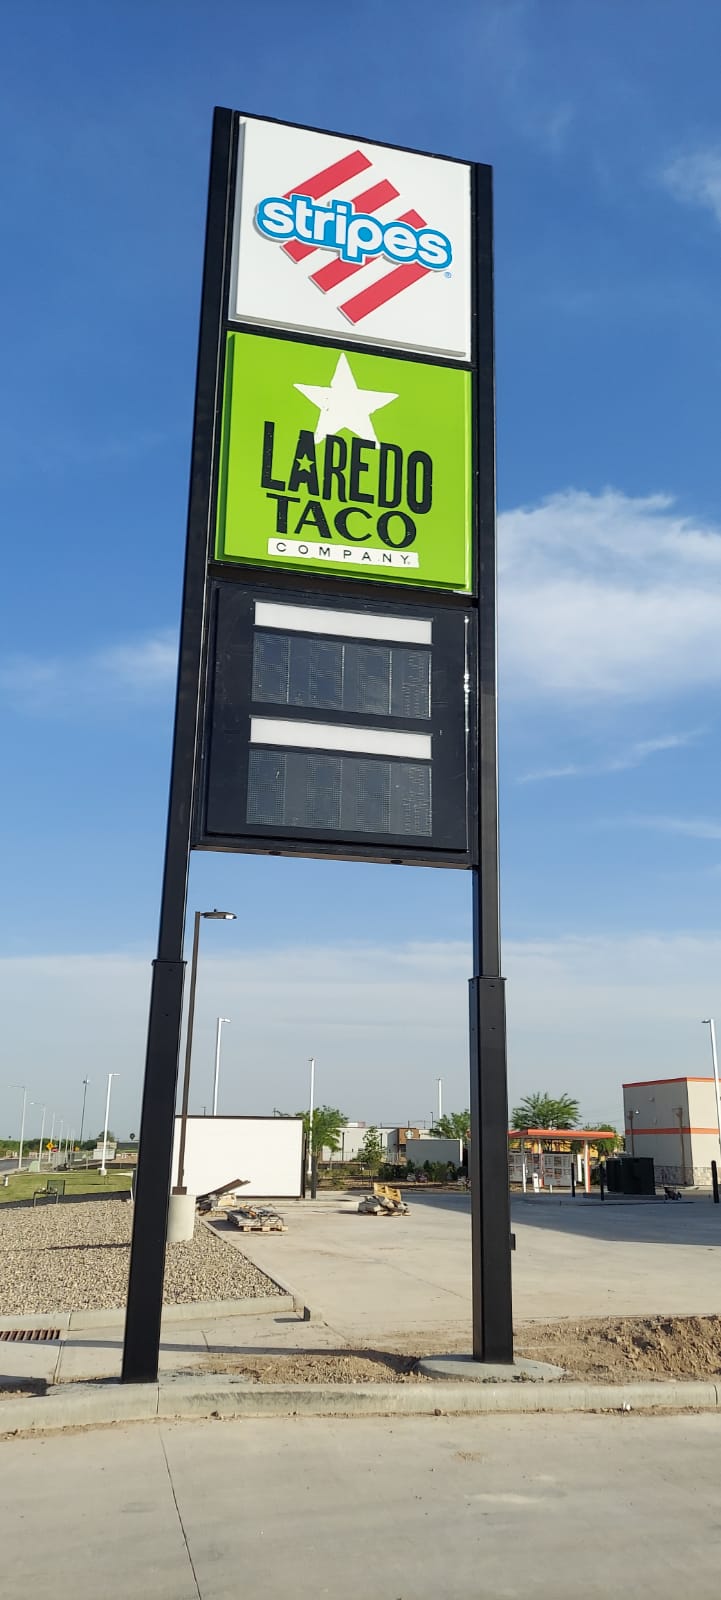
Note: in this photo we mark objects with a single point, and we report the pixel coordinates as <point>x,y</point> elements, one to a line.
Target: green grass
<point>22,1185</point>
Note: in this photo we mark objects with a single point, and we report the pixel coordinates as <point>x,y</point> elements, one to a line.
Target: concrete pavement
<point>401,1280</point>
<point>489,1508</point>
<point>404,1282</point>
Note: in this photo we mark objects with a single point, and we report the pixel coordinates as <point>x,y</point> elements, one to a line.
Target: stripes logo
<point>337,183</point>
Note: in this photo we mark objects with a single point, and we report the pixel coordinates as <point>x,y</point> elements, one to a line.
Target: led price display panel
<point>334,729</point>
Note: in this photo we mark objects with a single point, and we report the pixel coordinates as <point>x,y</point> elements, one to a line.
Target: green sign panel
<point>333,460</point>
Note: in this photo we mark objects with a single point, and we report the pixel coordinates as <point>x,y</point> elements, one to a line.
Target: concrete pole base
<point>469,1371</point>
<point>181,1218</point>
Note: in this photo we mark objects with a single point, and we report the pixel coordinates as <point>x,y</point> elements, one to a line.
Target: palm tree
<point>542,1110</point>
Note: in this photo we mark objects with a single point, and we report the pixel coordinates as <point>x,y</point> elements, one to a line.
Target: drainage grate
<point>30,1335</point>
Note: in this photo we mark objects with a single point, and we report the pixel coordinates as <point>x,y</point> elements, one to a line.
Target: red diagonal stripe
<point>335,272</point>
<point>384,289</point>
<point>370,200</point>
<point>331,177</point>
<point>322,183</point>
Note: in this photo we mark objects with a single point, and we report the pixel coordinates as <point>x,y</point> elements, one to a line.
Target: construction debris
<point>218,1199</point>
<point>385,1201</point>
<point>257,1219</point>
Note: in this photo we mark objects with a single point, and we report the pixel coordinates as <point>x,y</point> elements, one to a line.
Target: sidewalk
<point>187,1342</point>
<point>399,1510</point>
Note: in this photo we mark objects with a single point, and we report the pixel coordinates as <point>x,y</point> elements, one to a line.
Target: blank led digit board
<point>337,727</point>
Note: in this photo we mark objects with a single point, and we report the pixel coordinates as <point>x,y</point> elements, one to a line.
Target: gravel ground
<point>75,1257</point>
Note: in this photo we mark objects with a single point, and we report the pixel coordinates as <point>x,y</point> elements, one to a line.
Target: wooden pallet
<point>260,1227</point>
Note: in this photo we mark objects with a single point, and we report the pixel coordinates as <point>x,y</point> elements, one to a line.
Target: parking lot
<point>388,1280</point>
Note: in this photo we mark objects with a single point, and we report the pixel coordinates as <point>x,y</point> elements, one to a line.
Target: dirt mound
<point>618,1349</point>
<point>320,1366</point>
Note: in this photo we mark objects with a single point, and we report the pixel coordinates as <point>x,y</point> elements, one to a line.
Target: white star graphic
<point>343,405</point>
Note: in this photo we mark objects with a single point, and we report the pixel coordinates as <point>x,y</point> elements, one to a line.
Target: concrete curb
<point>193,1311</point>
<point>81,1405</point>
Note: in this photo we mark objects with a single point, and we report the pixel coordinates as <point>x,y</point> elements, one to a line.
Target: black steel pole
<point>179,1186</point>
<point>147,1259</point>
<point>488,1157</point>
<point>714,1182</point>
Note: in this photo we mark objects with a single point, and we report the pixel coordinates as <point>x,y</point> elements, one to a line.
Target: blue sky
<point>603,127</point>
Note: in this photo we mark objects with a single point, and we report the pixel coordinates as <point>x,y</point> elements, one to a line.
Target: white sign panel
<point>335,236</point>
<point>266,1151</point>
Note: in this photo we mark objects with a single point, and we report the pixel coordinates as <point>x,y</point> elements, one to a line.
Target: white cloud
<point>583,1014</point>
<point>499,33</point>
<point>139,672</point>
<point>607,597</point>
<point>633,756</point>
<point>695,179</point>
<point>690,827</point>
<point>602,597</point>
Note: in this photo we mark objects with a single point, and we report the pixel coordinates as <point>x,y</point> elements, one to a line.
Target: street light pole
<point>22,1121</point>
<point>218,1031</point>
<point>103,1168</point>
<point>631,1114</point>
<point>82,1114</point>
<point>311,1108</point>
<point>440,1098</point>
<point>711,1025</point>
<point>42,1129</point>
<point>209,916</point>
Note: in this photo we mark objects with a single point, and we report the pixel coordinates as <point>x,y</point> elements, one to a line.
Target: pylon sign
<point>337,681</point>
<point>344,466</point>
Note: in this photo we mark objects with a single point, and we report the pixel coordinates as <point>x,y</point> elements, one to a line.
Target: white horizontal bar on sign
<point>349,624</point>
<point>337,736</point>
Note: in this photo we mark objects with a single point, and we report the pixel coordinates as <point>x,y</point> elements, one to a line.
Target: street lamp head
<point>224,1019</point>
<point>705,1021</point>
<point>218,916</point>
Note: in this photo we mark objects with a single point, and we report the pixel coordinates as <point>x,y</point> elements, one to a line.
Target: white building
<point>351,1141</point>
<point>674,1120</point>
<point>434,1148</point>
